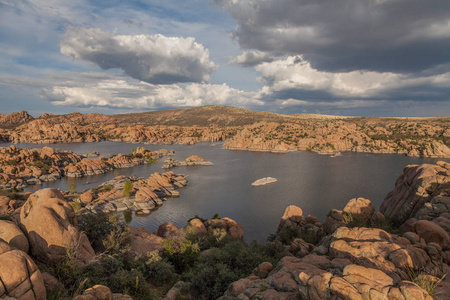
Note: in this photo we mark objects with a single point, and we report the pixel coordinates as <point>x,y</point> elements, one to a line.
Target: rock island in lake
<point>264,181</point>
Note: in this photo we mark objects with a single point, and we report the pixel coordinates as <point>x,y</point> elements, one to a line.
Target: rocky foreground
<point>400,252</point>
<point>240,130</point>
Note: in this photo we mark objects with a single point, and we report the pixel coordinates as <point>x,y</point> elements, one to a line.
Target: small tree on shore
<point>72,186</point>
<point>127,188</point>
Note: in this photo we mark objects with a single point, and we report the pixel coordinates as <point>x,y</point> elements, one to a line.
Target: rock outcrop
<point>145,195</point>
<point>193,160</point>
<point>20,278</point>
<point>422,192</point>
<point>50,224</point>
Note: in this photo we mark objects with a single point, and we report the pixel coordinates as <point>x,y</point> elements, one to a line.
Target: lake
<point>316,183</point>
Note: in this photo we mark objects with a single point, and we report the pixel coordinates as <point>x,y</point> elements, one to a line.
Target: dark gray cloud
<point>399,36</point>
<point>154,59</point>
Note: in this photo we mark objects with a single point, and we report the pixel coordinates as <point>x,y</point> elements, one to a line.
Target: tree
<point>72,186</point>
<point>127,188</point>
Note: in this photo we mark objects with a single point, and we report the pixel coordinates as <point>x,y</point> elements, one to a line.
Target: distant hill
<point>212,115</point>
<point>200,116</point>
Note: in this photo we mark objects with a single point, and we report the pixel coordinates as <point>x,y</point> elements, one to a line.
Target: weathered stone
<point>431,232</point>
<point>50,223</point>
<point>166,229</point>
<point>143,242</point>
<point>359,208</point>
<point>198,225</point>
<point>19,276</point>
<point>10,233</point>
<point>87,197</point>
<point>292,214</point>
<point>97,292</point>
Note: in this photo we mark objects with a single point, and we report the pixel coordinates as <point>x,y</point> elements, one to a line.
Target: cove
<point>316,183</point>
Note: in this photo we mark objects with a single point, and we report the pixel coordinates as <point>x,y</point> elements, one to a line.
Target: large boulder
<point>50,224</point>
<point>20,278</point>
<point>292,216</point>
<point>10,233</point>
<point>432,232</point>
<point>143,242</point>
<point>359,208</point>
<point>101,292</point>
<point>198,225</point>
<point>166,229</point>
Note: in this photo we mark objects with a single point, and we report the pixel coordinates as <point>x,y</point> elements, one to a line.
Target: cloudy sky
<point>346,57</point>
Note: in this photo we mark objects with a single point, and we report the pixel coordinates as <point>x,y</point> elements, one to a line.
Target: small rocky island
<point>264,181</point>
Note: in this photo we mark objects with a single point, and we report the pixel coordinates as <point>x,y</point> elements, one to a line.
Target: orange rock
<point>166,229</point>
<point>19,276</point>
<point>50,224</point>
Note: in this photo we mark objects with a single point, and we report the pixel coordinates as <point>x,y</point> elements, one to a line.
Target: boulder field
<point>357,253</point>
<point>144,194</point>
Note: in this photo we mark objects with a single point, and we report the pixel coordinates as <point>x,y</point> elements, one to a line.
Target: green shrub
<point>131,282</point>
<point>98,227</point>
<point>211,281</point>
<point>72,186</point>
<point>150,159</point>
<point>159,272</point>
<point>181,253</point>
<point>12,162</point>
<point>287,234</point>
<point>107,187</point>
<point>76,206</point>
<point>218,268</point>
<point>127,189</point>
<point>425,280</point>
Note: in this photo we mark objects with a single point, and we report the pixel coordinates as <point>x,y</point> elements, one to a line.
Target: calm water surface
<point>316,183</point>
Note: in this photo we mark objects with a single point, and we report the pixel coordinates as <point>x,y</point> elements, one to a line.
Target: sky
<point>339,57</point>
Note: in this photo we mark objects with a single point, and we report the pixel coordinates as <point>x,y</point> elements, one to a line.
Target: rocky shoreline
<point>400,252</point>
<point>144,196</point>
<point>22,167</point>
<point>424,137</point>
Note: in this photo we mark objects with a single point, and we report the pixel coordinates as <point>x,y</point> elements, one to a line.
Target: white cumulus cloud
<point>296,78</point>
<point>154,59</point>
<point>104,90</point>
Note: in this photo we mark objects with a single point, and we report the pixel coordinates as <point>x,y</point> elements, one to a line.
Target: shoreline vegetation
<point>238,129</point>
<point>400,252</point>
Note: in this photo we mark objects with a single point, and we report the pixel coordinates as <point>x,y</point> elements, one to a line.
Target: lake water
<point>316,183</point>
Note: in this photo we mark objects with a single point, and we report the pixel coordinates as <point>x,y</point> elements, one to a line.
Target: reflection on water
<point>316,183</point>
